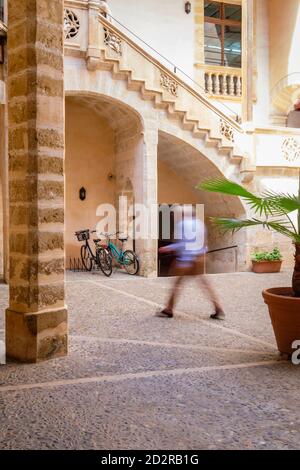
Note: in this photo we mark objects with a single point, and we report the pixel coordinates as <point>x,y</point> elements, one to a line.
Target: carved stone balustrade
<point>223,81</point>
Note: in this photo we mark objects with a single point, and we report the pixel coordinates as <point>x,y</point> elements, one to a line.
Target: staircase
<point>127,60</point>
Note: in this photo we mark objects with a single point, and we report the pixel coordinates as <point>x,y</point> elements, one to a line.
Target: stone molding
<point>113,41</point>
<point>226,130</point>
<point>71,24</point>
<point>291,149</point>
<point>169,84</point>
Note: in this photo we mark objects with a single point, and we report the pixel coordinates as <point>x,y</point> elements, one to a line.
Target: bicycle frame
<point>116,253</point>
<point>93,255</point>
<point>90,250</point>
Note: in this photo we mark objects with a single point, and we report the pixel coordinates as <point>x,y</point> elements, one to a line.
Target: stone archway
<point>101,85</point>
<point>105,154</point>
<point>180,168</point>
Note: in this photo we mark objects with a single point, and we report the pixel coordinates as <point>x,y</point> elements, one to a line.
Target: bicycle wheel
<point>86,258</point>
<point>104,261</point>
<point>131,262</point>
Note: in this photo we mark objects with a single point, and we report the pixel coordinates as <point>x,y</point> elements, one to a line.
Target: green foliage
<point>272,209</point>
<point>273,255</point>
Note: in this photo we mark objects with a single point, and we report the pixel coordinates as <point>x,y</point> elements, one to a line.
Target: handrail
<point>282,80</point>
<point>109,25</point>
<point>222,249</point>
<point>235,247</point>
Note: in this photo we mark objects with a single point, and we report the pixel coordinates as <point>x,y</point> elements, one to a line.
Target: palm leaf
<point>284,230</point>
<point>234,225</point>
<point>282,203</point>
<point>258,204</point>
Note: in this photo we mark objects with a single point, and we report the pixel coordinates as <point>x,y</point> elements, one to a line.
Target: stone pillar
<point>93,53</point>
<point>247,58</point>
<point>199,43</point>
<point>147,196</point>
<point>36,320</point>
<point>4,191</point>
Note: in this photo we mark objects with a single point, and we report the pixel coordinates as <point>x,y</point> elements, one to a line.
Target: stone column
<point>199,43</point>
<point>146,195</point>
<point>36,320</point>
<point>247,58</point>
<point>4,189</point>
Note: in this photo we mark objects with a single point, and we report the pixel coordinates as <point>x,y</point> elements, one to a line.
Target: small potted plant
<point>267,261</point>
<point>272,212</point>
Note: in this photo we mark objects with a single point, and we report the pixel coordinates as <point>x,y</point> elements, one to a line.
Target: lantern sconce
<point>188,7</point>
<point>111,177</point>
<point>82,194</point>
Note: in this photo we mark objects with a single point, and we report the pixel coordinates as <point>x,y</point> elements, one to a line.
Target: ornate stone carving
<point>113,41</point>
<point>291,149</point>
<point>226,130</point>
<point>71,24</point>
<point>169,84</point>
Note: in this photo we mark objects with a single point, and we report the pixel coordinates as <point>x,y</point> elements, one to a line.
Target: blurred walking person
<point>189,254</point>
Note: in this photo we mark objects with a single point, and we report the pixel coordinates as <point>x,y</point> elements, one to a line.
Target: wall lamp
<point>188,7</point>
<point>111,177</point>
<point>82,194</point>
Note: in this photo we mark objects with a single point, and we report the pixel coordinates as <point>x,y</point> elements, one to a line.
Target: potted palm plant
<point>271,211</point>
<point>266,261</point>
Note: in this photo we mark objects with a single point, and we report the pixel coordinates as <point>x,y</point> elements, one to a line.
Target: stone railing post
<point>36,320</point>
<point>93,54</point>
<point>231,85</point>
<point>227,83</point>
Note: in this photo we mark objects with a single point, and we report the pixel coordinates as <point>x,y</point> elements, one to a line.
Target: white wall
<point>163,24</point>
<point>261,107</point>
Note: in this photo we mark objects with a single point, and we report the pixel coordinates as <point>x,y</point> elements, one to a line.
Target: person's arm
<point>172,248</point>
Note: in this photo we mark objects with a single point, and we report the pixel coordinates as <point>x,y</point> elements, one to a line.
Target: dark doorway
<point>166,234</point>
<point>165,260</point>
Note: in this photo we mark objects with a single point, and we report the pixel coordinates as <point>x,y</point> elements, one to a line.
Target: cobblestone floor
<point>135,381</point>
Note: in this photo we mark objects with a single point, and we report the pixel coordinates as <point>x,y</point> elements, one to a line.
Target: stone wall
<point>280,180</point>
<point>1,230</point>
<point>36,320</point>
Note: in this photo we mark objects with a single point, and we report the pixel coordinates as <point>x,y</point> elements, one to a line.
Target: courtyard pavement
<point>135,381</point>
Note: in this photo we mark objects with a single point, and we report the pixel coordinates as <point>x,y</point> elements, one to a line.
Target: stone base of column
<point>147,252</point>
<point>35,337</point>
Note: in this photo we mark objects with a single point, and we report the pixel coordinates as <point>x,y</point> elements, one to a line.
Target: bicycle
<point>127,259</point>
<point>101,257</point>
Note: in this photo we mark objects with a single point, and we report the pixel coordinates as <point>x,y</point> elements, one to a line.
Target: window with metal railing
<point>222,34</point>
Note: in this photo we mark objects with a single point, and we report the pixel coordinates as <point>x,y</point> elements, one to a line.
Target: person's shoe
<point>218,315</point>
<point>165,313</point>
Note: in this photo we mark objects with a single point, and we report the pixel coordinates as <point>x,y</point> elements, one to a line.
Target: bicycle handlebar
<point>108,235</point>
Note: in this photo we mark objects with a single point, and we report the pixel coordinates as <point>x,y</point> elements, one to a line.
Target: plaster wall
<point>173,189</point>
<point>284,30</point>
<point>90,158</point>
<point>163,25</point>
<point>261,106</point>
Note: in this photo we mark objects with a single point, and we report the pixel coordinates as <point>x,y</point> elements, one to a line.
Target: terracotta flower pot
<point>261,267</point>
<point>284,310</point>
